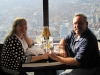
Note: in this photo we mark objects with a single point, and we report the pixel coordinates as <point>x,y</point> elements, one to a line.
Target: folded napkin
<point>35,50</point>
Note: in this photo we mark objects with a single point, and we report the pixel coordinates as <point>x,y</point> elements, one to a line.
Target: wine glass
<point>49,44</point>
<point>39,40</point>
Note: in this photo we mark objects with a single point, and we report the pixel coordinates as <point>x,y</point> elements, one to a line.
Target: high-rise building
<point>64,30</point>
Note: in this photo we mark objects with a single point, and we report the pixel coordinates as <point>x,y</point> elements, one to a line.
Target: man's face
<point>79,24</point>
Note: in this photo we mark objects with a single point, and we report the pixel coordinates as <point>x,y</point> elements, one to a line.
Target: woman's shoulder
<point>13,37</point>
<point>13,40</point>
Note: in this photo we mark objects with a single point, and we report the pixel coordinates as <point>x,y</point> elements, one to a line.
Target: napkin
<point>35,50</point>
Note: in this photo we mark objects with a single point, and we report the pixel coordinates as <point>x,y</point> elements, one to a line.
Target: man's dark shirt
<point>85,49</point>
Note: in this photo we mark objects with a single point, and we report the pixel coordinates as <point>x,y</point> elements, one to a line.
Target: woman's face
<point>21,28</point>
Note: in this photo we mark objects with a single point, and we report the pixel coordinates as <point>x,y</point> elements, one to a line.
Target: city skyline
<point>60,12</point>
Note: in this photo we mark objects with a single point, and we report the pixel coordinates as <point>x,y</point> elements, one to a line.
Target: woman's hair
<point>13,29</point>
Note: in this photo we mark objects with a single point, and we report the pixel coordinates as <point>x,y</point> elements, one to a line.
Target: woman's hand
<point>45,56</point>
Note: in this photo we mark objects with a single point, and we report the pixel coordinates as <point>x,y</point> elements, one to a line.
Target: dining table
<point>45,64</point>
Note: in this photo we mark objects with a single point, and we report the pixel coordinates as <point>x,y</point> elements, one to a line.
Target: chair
<point>98,71</point>
<point>1,46</point>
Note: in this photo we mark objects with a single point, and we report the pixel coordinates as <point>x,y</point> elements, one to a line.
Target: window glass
<point>61,14</point>
<point>31,10</point>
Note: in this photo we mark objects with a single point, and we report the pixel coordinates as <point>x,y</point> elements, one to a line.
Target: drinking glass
<point>39,40</point>
<point>49,44</point>
<point>56,49</point>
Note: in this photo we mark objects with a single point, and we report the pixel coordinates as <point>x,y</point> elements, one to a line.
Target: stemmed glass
<point>39,40</point>
<point>48,45</point>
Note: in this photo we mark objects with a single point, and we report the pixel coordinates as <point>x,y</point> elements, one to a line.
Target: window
<point>60,15</point>
<point>31,10</point>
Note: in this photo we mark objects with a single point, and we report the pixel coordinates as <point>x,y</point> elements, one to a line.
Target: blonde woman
<point>15,46</point>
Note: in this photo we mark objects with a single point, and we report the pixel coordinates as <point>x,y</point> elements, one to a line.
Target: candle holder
<point>46,33</point>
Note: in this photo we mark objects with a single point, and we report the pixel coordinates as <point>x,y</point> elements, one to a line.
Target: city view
<point>61,14</point>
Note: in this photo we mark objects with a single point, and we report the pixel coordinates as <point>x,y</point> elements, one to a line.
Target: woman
<point>15,46</point>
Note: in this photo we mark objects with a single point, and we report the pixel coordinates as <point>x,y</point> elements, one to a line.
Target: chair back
<point>98,70</point>
<point>1,46</point>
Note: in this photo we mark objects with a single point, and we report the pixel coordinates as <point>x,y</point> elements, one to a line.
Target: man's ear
<point>87,23</point>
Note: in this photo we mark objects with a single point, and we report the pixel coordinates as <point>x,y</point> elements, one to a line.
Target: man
<point>83,48</point>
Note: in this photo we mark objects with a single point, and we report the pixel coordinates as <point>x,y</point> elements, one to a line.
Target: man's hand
<point>52,55</point>
<point>62,53</point>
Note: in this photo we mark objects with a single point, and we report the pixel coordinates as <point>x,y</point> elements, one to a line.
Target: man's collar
<point>82,35</point>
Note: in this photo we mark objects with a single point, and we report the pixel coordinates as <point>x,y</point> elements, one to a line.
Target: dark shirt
<point>12,55</point>
<point>85,49</point>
